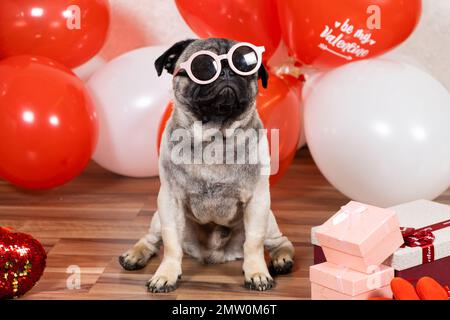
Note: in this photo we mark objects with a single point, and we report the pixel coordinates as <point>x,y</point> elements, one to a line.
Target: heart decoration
<point>22,262</point>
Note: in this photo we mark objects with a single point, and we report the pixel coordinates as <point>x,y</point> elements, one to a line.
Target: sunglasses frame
<point>218,59</point>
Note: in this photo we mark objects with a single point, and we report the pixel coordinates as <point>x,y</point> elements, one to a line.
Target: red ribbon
<point>423,238</point>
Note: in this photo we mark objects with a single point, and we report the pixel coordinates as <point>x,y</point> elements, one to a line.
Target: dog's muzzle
<point>220,103</point>
<point>226,101</point>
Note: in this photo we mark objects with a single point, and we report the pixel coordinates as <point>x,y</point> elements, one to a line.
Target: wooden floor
<point>91,221</point>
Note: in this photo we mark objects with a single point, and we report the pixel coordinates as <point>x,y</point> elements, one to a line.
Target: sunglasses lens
<point>245,59</point>
<point>204,67</point>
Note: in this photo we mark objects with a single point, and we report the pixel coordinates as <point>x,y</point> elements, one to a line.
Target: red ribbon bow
<point>423,238</point>
<point>417,238</point>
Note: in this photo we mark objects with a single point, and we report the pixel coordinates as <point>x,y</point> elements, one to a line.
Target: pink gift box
<point>408,262</point>
<point>333,282</point>
<point>360,236</point>
<point>319,292</point>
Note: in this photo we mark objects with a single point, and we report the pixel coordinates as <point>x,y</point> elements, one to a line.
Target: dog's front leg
<point>172,218</point>
<point>256,213</point>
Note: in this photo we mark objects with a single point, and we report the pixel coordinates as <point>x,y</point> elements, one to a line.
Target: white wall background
<point>137,23</point>
<point>430,44</point>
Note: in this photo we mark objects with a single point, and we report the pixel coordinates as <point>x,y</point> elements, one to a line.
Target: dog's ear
<point>264,76</point>
<point>169,58</point>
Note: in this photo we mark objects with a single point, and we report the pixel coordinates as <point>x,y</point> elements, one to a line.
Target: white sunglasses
<point>204,67</point>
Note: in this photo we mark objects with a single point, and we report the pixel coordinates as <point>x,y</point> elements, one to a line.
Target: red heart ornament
<point>22,262</point>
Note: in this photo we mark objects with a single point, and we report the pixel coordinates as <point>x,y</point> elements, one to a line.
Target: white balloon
<point>85,71</point>
<point>302,136</point>
<point>130,101</point>
<point>379,130</point>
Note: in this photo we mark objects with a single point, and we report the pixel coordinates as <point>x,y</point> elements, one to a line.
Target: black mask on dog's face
<point>226,98</point>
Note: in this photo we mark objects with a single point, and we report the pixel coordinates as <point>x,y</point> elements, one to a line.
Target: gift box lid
<point>348,281</point>
<point>357,228</point>
<point>416,214</point>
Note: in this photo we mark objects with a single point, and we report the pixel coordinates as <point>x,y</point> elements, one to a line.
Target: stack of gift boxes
<point>425,249</point>
<point>355,242</point>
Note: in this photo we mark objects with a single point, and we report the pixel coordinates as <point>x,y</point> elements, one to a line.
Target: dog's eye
<point>204,67</point>
<point>245,59</point>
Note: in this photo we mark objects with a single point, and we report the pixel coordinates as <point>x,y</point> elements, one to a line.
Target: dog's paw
<point>259,282</point>
<point>162,284</point>
<point>131,263</point>
<point>136,258</point>
<point>281,262</point>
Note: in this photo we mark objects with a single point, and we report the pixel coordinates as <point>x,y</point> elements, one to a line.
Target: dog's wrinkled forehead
<point>215,45</point>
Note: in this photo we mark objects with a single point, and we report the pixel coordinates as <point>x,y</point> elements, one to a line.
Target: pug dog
<point>213,212</point>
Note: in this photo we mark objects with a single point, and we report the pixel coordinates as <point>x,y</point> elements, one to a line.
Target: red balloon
<point>279,109</point>
<point>48,126</point>
<point>328,34</point>
<point>69,31</point>
<point>25,60</point>
<point>254,21</point>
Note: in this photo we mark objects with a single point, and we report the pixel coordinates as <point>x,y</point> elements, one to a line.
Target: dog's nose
<point>226,73</point>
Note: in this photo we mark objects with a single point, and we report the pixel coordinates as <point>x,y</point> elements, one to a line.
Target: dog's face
<point>226,99</point>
